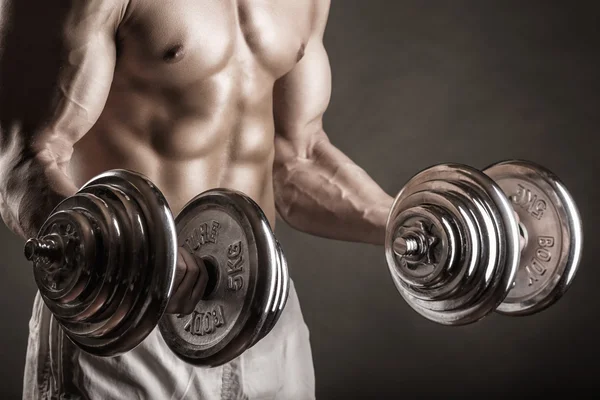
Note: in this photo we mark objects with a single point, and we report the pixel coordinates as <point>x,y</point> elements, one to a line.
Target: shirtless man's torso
<point>195,95</point>
<point>192,92</point>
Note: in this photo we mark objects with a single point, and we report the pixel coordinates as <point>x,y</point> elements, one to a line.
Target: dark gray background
<point>418,83</point>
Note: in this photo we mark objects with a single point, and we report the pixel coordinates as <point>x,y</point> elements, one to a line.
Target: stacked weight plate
<point>104,262</point>
<point>461,243</point>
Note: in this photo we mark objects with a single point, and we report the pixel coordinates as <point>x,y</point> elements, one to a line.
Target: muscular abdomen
<point>217,132</point>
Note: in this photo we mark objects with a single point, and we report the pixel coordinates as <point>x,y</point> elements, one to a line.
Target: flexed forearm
<point>324,193</point>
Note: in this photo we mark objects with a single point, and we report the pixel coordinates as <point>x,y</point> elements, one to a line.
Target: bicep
<point>302,96</point>
<point>56,66</point>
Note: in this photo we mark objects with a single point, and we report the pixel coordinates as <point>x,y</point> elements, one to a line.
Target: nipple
<point>174,54</point>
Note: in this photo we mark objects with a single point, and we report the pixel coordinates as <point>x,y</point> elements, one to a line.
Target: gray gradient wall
<point>417,83</point>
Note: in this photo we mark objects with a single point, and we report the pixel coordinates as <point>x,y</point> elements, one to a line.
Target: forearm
<point>30,187</point>
<point>324,193</point>
<point>52,94</point>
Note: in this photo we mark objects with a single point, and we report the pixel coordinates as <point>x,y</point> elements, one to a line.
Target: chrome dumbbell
<point>104,262</point>
<point>461,243</point>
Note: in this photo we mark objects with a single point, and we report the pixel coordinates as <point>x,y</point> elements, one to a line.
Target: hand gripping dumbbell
<point>461,243</point>
<point>104,263</point>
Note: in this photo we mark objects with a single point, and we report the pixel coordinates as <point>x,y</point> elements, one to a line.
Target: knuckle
<point>179,272</point>
<point>180,261</point>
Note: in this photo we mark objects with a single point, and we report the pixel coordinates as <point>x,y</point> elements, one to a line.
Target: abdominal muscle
<point>186,141</point>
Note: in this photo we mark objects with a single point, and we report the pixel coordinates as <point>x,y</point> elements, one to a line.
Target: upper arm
<point>301,96</point>
<point>57,61</point>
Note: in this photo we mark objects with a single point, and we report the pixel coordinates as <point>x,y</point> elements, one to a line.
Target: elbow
<point>282,197</point>
<point>283,166</point>
<point>286,176</point>
<point>296,157</point>
<point>293,181</point>
<point>303,142</point>
<point>285,207</point>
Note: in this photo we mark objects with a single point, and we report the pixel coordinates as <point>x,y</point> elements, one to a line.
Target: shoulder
<point>91,16</point>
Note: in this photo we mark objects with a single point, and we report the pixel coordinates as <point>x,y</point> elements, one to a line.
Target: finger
<point>187,285</point>
<point>180,272</point>
<point>200,285</point>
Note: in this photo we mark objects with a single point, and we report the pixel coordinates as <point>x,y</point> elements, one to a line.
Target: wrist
<point>34,207</point>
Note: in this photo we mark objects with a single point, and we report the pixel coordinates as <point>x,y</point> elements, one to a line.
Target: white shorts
<point>278,367</point>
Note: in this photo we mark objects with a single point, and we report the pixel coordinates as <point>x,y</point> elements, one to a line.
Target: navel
<point>174,54</point>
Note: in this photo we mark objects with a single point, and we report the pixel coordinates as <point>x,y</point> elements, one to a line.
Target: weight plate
<point>132,255</point>
<point>229,230</point>
<point>458,261</point>
<point>256,328</point>
<point>487,223</point>
<point>281,295</point>
<point>154,281</point>
<point>472,269</point>
<point>285,289</point>
<point>270,307</point>
<point>115,285</point>
<point>553,231</point>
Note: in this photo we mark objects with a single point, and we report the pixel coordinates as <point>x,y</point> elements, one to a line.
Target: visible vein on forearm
<point>321,182</point>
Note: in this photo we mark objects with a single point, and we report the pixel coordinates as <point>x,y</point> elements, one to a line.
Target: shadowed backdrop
<point>414,84</point>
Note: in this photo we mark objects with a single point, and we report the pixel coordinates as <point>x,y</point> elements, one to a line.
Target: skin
<point>193,94</point>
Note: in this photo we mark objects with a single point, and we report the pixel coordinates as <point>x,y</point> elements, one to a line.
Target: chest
<point>191,39</point>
